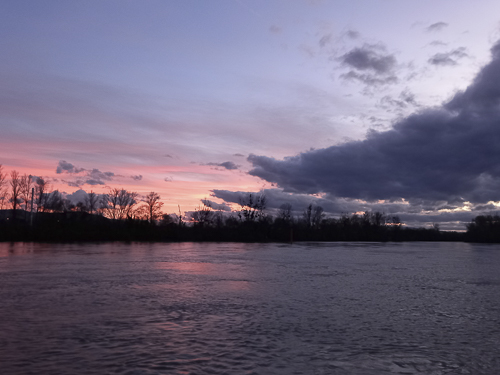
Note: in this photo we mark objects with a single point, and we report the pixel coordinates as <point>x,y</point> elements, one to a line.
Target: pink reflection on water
<point>228,277</point>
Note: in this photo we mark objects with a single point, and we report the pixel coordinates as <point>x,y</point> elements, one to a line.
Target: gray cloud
<point>370,64</point>
<point>447,154</point>
<point>98,175</point>
<point>369,79</point>
<point>137,177</point>
<point>325,40</point>
<point>216,206</point>
<point>448,58</point>
<point>405,99</point>
<point>438,43</point>
<point>369,57</point>
<point>65,167</point>
<point>438,26</point>
<point>352,34</point>
<point>94,182</point>
<point>83,176</point>
<point>416,215</point>
<point>227,164</point>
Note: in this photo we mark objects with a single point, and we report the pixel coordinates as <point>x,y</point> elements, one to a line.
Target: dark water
<point>357,308</point>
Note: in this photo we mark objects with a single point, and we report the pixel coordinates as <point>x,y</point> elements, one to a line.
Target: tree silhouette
<point>91,202</point>
<point>203,215</point>
<point>3,188</point>
<point>15,189</point>
<point>118,203</point>
<point>153,207</point>
<point>252,207</point>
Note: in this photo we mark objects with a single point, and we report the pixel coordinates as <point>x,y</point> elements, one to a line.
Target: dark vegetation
<point>29,211</point>
<point>83,226</point>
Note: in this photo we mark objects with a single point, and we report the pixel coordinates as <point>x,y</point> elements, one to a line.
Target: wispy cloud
<point>448,58</point>
<point>227,165</point>
<point>438,26</point>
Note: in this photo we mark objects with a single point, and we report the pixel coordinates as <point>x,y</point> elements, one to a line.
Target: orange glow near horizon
<point>185,186</point>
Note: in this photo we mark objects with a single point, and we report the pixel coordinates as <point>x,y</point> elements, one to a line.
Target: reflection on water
<point>343,308</point>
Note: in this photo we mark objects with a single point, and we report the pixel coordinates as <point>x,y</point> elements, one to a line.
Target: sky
<point>384,105</point>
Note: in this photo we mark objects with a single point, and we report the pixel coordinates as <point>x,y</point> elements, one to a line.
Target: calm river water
<point>207,308</point>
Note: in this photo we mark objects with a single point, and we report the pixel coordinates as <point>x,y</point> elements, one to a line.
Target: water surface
<point>310,308</point>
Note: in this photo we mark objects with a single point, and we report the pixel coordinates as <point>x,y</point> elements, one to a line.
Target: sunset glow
<point>349,105</point>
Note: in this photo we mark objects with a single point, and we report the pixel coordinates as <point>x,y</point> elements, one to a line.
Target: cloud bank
<point>443,154</point>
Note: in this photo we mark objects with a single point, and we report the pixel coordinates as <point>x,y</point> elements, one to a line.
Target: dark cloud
<point>369,57</point>
<point>83,176</point>
<point>168,179</point>
<point>446,155</point>
<point>227,164</point>
<point>94,182</point>
<point>413,215</point>
<point>65,167</point>
<point>216,206</point>
<point>370,64</point>
<point>275,198</point>
<point>448,58</point>
<point>98,175</point>
<point>239,155</point>
<point>438,26</point>
<point>137,177</point>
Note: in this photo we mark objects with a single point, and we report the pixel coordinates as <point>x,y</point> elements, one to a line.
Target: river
<point>230,308</point>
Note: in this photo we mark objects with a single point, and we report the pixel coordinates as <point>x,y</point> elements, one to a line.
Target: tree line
<point>28,193</point>
<point>120,214</point>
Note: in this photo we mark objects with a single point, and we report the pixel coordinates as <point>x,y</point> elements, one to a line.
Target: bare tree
<point>41,193</point>
<point>26,185</point>
<point>285,212</point>
<point>3,188</point>
<point>54,202</point>
<point>252,207</point>
<point>153,207</point>
<point>91,202</point>
<point>119,203</point>
<point>15,189</point>
<point>313,215</point>
<point>203,215</point>
<point>318,216</point>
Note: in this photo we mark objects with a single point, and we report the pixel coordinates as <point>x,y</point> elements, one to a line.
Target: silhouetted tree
<point>41,193</point>
<point>81,207</point>
<point>166,219</point>
<point>15,189</point>
<point>25,190</point>
<point>203,214</point>
<point>54,202</point>
<point>92,201</point>
<point>252,207</point>
<point>313,215</point>
<point>153,207</point>
<point>3,188</point>
<point>484,228</point>
<point>118,203</point>
<point>285,212</point>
